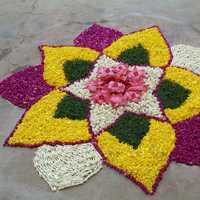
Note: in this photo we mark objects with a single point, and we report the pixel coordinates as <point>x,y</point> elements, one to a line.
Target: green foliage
<point>135,56</point>
<point>130,129</point>
<point>76,69</point>
<point>171,94</point>
<point>72,108</point>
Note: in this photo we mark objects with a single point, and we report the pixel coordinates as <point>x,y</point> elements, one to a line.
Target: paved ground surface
<point>24,24</point>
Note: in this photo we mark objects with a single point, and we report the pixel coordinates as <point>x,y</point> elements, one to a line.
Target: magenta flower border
<point>14,88</point>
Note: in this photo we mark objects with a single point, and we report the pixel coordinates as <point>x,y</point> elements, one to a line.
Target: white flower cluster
<point>186,57</point>
<point>79,89</point>
<point>149,106</point>
<point>153,77</point>
<point>102,115</point>
<point>65,166</point>
<point>105,61</point>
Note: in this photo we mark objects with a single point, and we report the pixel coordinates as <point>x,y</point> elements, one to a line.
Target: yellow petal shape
<point>150,38</point>
<point>144,163</point>
<point>54,58</point>
<point>39,126</point>
<point>191,106</point>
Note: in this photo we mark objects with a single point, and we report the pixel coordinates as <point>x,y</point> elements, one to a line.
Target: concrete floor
<point>24,24</point>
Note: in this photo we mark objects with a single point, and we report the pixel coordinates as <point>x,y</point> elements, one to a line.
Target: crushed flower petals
<point>117,85</point>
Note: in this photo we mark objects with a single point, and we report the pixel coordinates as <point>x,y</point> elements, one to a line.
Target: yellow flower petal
<point>38,124</point>
<point>143,164</point>
<point>191,106</point>
<point>150,38</point>
<point>54,58</point>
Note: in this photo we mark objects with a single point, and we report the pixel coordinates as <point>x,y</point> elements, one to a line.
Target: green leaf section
<point>77,69</point>
<point>72,108</point>
<point>171,94</point>
<point>137,55</point>
<point>130,129</point>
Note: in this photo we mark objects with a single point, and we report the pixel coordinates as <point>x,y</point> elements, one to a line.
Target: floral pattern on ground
<point>137,138</point>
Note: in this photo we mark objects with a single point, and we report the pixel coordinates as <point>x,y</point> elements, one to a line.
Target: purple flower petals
<point>188,141</point>
<point>25,87</point>
<point>97,37</point>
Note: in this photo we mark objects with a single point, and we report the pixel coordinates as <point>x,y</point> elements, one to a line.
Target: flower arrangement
<point>131,100</point>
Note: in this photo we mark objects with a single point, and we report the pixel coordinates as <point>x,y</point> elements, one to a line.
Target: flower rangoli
<point>129,101</point>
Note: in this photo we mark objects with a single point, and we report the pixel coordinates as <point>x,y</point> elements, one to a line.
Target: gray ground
<point>24,24</point>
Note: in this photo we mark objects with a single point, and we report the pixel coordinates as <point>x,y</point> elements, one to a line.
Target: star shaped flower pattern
<point>104,113</point>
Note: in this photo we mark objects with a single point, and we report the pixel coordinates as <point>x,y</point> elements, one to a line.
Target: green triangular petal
<point>130,129</point>
<point>171,94</point>
<point>77,69</point>
<point>72,108</point>
<point>135,56</point>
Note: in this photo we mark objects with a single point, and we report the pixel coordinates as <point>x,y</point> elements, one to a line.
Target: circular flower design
<point>123,95</point>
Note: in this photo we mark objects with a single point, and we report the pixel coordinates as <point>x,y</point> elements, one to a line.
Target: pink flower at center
<point>118,85</point>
